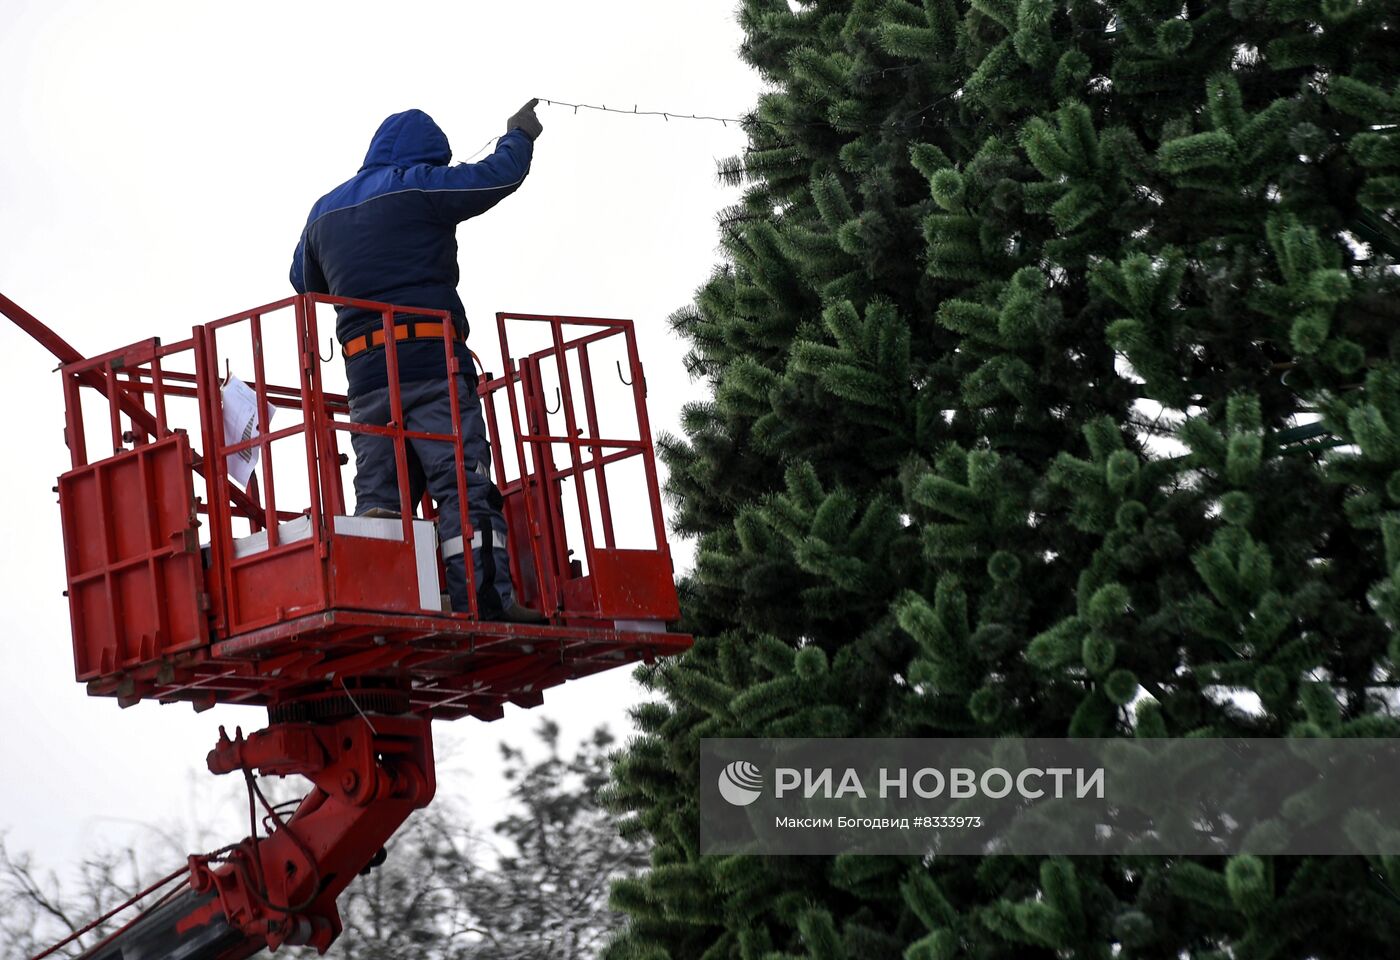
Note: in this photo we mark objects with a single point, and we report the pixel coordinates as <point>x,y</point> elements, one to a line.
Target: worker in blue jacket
<point>389,233</point>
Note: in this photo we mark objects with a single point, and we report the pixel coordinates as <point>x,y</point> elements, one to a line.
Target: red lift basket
<point>184,585</point>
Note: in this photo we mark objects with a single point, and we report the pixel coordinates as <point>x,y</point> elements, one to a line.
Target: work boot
<point>515,613</point>
<point>382,513</point>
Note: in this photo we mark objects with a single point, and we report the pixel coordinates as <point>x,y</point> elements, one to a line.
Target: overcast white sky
<point>157,165</point>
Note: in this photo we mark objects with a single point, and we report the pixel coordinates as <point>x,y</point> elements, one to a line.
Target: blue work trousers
<point>427,408</point>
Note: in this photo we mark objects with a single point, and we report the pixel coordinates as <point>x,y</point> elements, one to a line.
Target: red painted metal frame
<point>290,617</point>
<point>155,616</point>
<point>620,584</point>
<point>135,581</point>
<point>368,775</point>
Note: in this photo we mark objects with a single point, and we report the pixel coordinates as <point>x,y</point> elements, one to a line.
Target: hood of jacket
<point>405,139</point>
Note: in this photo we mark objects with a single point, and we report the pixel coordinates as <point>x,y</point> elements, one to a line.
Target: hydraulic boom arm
<point>369,774</point>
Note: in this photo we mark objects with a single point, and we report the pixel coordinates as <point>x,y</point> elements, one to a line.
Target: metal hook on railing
<point>330,345</point>
<point>559,401</point>
<point>619,373</point>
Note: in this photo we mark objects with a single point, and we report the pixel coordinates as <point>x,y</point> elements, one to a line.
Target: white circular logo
<point>741,783</point>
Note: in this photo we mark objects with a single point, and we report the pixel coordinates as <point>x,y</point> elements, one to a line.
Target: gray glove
<point>526,121</point>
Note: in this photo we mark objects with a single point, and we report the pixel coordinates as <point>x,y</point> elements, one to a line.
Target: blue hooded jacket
<point>389,233</point>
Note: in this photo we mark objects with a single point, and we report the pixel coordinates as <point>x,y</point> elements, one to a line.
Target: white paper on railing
<point>240,405</point>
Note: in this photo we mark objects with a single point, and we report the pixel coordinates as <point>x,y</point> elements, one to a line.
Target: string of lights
<point>860,77</point>
<point>666,114</point>
<point>750,120</point>
<point>1109,32</point>
<point>669,115</point>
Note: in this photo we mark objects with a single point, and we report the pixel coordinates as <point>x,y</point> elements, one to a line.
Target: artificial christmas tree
<point>1054,394</point>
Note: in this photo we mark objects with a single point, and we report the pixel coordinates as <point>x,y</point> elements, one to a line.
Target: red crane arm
<point>30,324</point>
<point>369,773</point>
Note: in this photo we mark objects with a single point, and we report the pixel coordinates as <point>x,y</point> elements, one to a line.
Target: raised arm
<point>462,191</point>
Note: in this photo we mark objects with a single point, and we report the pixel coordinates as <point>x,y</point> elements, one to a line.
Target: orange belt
<point>427,330</point>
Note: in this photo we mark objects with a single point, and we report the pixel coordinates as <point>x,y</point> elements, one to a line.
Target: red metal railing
<point>140,382</point>
<point>589,454</point>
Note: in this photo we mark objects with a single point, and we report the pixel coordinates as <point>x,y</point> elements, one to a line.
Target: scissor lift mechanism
<point>322,618</point>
